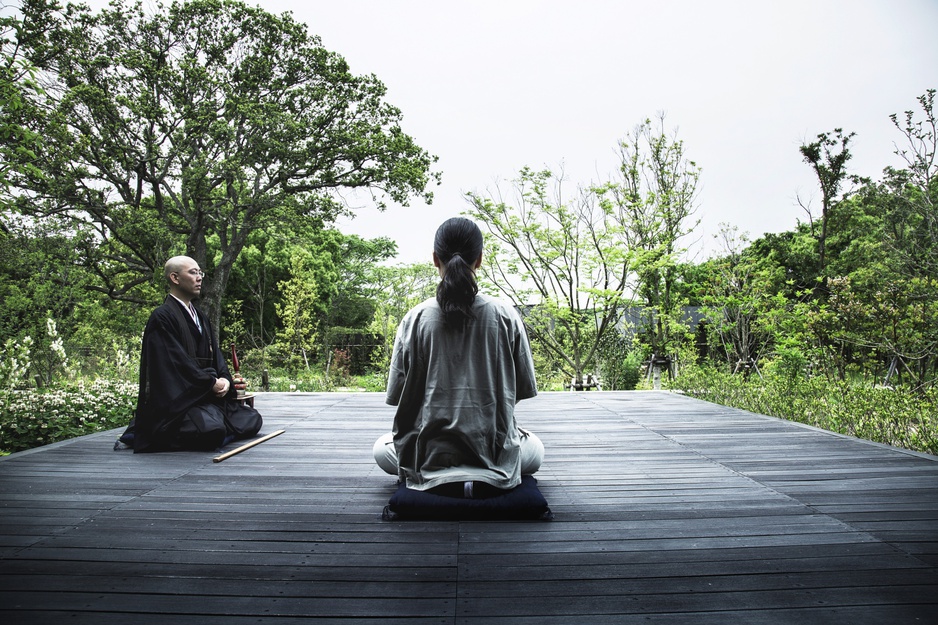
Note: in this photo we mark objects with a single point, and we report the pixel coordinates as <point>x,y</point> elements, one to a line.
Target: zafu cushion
<point>522,502</point>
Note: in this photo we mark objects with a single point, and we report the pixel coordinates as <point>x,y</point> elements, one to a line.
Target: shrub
<point>29,418</point>
<point>372,382</point>
<point>895,416</point>
<point>15,363</point>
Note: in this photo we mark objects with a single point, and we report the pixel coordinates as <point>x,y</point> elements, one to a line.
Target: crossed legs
<point>532,453</point>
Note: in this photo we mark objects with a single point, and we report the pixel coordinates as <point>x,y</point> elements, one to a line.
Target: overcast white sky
<point>491,86</point>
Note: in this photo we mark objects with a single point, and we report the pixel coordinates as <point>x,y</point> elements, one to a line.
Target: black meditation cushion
<point>523,502</point>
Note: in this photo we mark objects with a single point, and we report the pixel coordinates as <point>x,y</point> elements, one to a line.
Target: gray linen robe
<point>455,390</point>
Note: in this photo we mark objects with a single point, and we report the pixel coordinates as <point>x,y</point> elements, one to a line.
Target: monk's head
<point>184,276</point>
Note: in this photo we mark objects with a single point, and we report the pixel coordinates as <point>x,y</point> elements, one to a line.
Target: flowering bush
<point>15,362</point>
<point>29,418</point>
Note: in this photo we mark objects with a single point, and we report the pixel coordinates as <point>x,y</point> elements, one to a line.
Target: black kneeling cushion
<point>523,502</point>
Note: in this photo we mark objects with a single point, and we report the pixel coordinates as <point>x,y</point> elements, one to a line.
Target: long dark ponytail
<point>457,245</point>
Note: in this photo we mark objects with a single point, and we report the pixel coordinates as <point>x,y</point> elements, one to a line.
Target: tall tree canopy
<point>17,83</point>
<point>170,129</point>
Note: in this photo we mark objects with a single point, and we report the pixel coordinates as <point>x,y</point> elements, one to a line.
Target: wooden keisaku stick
<point>247,446</point>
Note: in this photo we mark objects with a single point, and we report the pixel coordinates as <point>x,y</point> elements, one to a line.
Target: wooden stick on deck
<point>247,446</point>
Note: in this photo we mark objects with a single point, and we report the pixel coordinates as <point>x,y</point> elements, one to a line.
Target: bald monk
<point>186,398</point>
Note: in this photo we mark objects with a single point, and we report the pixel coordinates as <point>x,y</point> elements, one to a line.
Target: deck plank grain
<point>667,510</point>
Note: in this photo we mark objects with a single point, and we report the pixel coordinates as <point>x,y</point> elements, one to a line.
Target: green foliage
<point>41,277</point>
<point>49,357</point>
<point>19,141</point>
<point>29,418</point>
<point>828,158</point>
<point>397,289</point>
<point>312,280</point>
<point>298,307</point>
<point>868,307</point>
<point>895,416</point>
<point>176,129</point>
<point>654,199</point>
<point>732,288</point>
<point>622,375</point>
<point>912,193</point>
<point>357,262</point>
<point>44,356</point>
<point>562,261</point>
<point>49,361</point>
<point>620,363</point>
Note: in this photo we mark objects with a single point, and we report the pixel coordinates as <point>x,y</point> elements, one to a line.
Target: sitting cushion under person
<point>186,398</point>
<point>460,363</point>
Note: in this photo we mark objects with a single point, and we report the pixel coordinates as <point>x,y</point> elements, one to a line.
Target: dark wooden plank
<point>624,603</point>
<point>667,508</point>
<point>51,617</point>
<point>197,607</point>
<point>682,584</point>
<point>846,615</point>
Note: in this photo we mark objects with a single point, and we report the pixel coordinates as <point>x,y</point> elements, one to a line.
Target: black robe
<point>178,368</point>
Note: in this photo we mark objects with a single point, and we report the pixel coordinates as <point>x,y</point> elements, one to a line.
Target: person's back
<point>461,362</point>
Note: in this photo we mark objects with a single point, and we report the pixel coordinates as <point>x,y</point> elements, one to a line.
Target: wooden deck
<point>667,510</point>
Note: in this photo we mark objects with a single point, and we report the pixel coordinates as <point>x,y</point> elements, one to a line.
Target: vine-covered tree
<point>205,120</point>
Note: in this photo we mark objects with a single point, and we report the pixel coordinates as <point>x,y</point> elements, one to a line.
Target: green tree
<point>353,306</point>
<point>339,269</point>
<point>264,265</point>
<point>912,215</point>
<point>346,332</point>
<point>854,293</point>
<point>254,287</point>
<point>885,296</point>
<point>303,303</point>
<point>42,277</point>
<point>736,300</point>
<point>828,158</point>
<point>207,119</point>
<point>795,253</point>
<point>562,261</point>
<point>395,290</point>
<point>654,201</point>
<point>19,142</point>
